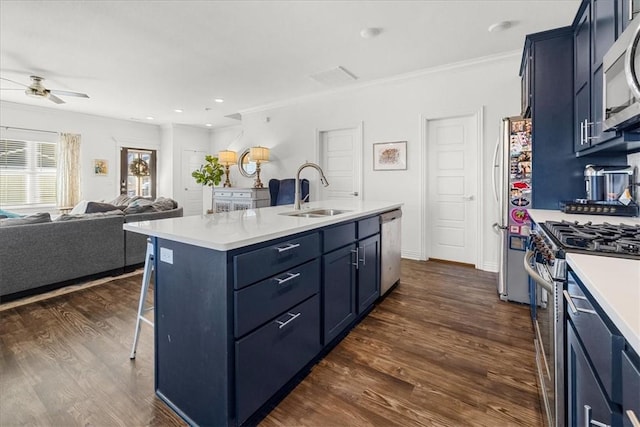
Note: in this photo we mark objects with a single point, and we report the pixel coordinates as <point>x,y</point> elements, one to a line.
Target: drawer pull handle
<point>575,310</point>
<point>290,276</point>
<point>357,252</point>
<point>288,247</point>
<point>283,324</point>
<point>633,418</point>
<point>588,422</point>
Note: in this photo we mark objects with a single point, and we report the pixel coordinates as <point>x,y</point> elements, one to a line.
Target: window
<point>138,172</point>
<point>27,173</point>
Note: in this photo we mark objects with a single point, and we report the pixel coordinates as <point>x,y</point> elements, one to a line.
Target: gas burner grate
<point>619,240</point>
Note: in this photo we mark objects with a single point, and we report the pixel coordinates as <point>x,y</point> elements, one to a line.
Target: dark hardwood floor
<point>441,350</point>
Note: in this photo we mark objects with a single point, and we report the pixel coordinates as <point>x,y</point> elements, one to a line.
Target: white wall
<point>390,111</point>
<point>101,139</point>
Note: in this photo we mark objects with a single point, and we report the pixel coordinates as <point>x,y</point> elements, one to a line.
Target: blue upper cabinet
<point>596,27</point>
<point>595,31</point>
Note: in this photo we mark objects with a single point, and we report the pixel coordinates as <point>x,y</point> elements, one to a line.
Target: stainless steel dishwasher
<point>390,248</point>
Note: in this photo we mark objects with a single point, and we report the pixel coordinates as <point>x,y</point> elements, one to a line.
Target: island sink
<point>316,213</point>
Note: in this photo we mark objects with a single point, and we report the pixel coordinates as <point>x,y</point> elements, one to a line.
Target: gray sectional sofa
<point>42,256</point>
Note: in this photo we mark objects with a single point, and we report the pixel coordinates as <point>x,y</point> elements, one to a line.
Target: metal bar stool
<point>146,280</point>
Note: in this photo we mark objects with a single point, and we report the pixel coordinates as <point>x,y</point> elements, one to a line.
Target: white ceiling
<point>146,58</point>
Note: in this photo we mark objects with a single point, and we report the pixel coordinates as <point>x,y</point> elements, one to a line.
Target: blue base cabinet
<point>630,388</point>
<point>587,401</point>
<point>235,330</point>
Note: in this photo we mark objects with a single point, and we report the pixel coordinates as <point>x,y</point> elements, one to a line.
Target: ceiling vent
<point>235,116</point>
<point>334,77</point>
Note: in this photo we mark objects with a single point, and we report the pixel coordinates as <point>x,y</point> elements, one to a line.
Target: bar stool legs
<point>146,280</point>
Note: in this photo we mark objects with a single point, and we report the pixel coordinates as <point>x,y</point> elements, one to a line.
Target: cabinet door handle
<point>288,247</point>
<point>291,319</point>
<point>290,276</point>
<point>572,306</point>
<point>357,252</point>
<point>632,417</point>
<point>364,255</point>
<point>588,422</point>
<point>581,133</point>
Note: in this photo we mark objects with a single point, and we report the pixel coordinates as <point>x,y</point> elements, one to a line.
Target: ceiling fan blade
<point>68,93</point>
<point>11,88</point>
<point>13,81</point>
<point>55,98</point>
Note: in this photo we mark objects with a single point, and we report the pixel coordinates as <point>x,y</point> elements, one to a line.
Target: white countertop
<point>231,230</point>
<point>615,285</point>
<point>542,215</point>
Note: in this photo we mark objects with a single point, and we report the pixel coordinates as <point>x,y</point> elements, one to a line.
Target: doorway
<point>452,148</point>
<point>340,154</point>
<point>193,203</point>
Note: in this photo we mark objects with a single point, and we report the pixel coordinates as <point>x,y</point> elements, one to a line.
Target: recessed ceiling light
<point>208,125</point>
<point>499,26</point>
<point>219,100</point>
<point>150,118</point>
<point>369,33</point>
<point>179,110</point>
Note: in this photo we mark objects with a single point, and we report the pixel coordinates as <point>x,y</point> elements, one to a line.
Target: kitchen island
<point>247,301</point>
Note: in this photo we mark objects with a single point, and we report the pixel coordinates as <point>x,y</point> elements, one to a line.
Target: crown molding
<point>386,80</point>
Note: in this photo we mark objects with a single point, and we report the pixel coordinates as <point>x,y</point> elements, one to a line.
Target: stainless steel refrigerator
<point>512,190</point>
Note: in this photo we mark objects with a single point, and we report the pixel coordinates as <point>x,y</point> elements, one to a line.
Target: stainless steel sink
<point>315,213</point>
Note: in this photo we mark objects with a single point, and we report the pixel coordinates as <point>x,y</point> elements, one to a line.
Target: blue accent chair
<point>282,191</point>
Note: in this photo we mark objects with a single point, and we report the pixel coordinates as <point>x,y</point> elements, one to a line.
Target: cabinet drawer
<point>245,194</point>
<point>223,194</point>
<point>602,345</point>
<point>630,390</point>
<point>338,236</point>
<point>368,227</point>
<point>258,303</point>
<point>269,357</point>
<point>256,265</point>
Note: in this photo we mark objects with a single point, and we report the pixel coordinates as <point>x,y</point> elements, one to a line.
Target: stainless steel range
<point>546,265</point>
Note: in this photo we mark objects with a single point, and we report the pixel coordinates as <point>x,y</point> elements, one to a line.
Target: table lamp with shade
<point>227,158</point>
<point>259,155</point>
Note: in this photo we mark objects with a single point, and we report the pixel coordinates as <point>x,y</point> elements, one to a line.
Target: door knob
<point>355,193</point>
<point>467,198</point>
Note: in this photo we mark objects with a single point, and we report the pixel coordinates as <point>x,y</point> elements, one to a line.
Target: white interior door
<point>452,147</point>
<point>341,161</point>
<point>192,193</point>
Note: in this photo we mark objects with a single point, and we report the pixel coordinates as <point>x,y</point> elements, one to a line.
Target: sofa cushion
<point>70,217</point>
<point>29,219</point>
<point>93,207</point>
<point>7,214</point>
<point>139,209</point>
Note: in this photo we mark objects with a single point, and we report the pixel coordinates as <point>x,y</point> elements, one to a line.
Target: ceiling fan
<point>37,89</point>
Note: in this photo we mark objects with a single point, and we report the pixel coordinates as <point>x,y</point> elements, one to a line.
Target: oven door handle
<point>534,274</point>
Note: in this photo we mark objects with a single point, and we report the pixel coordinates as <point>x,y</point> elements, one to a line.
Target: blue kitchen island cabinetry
<point>239,322</point>
<point>351,274</point>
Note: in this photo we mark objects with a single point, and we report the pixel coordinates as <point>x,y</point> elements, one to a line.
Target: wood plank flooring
<point>441,350</point>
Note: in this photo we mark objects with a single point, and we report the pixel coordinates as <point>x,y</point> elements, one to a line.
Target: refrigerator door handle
<point>496,165</point>
<point>498,228</point>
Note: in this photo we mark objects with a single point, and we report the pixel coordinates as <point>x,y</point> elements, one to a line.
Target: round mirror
<point>246,166</point>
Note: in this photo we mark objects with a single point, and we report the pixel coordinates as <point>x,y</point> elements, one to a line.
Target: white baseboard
<point>489,266</point>
<point>412,255</point>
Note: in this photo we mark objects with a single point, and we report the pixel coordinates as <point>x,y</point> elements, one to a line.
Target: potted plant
<point>209,174</point>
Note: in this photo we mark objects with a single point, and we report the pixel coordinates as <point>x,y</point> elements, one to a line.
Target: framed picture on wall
<point>100,167</point>
<point>390,156</point>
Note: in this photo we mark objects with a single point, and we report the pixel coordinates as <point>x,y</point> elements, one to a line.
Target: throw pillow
<point>80,208</point>
<point>8,214</point>
<point>164,204</point>
<point>29,219</point>
<point>93,207</point>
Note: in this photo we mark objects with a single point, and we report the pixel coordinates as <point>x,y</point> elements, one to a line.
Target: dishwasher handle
<point>390,216</point>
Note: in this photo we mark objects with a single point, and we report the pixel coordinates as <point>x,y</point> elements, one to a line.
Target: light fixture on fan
<point>259,155</point>
<point>227,158</point>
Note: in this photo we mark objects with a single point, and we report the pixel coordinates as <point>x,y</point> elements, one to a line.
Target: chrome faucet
<point>323,180</point>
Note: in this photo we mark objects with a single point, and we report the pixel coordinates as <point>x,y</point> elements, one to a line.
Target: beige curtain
<point>68,179</point>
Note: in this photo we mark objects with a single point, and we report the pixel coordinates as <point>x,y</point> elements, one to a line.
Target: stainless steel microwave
<point>621,66</point>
